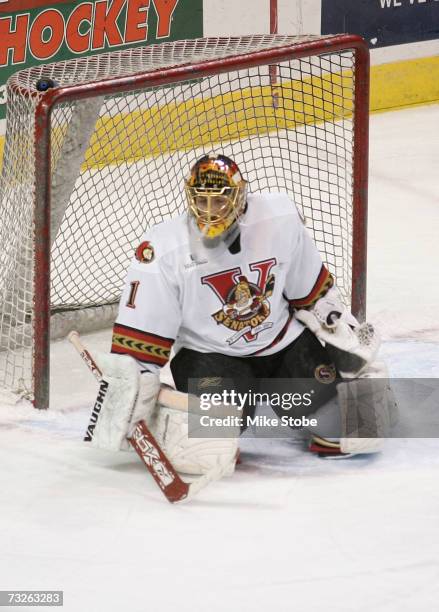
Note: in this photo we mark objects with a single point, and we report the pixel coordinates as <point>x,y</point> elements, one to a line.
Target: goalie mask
<point>216,194</point>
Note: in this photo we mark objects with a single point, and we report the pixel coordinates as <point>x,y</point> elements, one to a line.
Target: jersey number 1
<point>133,292</point>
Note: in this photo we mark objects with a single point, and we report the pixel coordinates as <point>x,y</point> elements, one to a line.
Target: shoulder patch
<point>145,252</point>
<point>325,374</point>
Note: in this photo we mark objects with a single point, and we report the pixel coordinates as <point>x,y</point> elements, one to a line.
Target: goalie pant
<point>357,414</point>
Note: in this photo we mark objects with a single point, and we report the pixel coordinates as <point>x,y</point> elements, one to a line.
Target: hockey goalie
<point>237,287</point>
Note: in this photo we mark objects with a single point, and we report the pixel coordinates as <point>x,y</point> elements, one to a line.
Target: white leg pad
<point>368,410</point>
<point>195,456</point>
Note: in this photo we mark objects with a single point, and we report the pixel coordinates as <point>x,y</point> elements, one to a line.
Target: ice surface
<point>403,296</point>
<point>288,531</point>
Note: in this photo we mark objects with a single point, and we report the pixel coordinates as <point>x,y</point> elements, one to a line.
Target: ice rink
<point>288,531</point>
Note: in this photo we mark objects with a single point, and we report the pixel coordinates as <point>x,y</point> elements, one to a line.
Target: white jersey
<point>207,299</point>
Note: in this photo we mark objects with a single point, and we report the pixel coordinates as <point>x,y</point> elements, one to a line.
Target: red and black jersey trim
<point>143,346</point>
<point>322,285</point>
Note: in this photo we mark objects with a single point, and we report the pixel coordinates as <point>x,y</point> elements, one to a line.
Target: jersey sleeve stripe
<point>145,347</point>
<point>322,285</point>
<point>132,332</point>
<point>157,360</point>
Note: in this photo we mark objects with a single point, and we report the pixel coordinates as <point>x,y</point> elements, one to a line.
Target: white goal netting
<point>118,162</point>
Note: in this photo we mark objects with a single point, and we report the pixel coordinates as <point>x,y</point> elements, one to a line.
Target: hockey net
<point>89,165</point>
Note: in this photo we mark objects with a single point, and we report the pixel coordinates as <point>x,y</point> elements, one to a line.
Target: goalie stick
<point>143,441</point>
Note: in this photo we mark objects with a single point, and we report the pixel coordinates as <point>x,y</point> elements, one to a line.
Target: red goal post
<point>314,138</point>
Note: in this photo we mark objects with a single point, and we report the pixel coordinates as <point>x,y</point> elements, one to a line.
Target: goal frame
<point>155,78</point>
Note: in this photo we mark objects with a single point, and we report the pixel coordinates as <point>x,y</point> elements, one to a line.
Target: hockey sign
<point>35,31</point>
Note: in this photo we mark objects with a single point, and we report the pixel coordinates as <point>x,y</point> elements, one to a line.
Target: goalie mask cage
<point>89,164</point>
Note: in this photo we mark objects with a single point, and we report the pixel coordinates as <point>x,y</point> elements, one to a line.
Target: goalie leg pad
<point>195,456</point>
<point>360,418</point>
<point>368,411</point>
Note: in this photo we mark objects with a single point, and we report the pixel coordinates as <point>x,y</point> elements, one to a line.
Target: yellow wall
<point>404,83</point>
<point>394,85</point>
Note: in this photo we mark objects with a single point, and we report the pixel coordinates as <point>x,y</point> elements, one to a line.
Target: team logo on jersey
<point>145,252</point>
<point>245,301</point>
<point>325,374</point>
